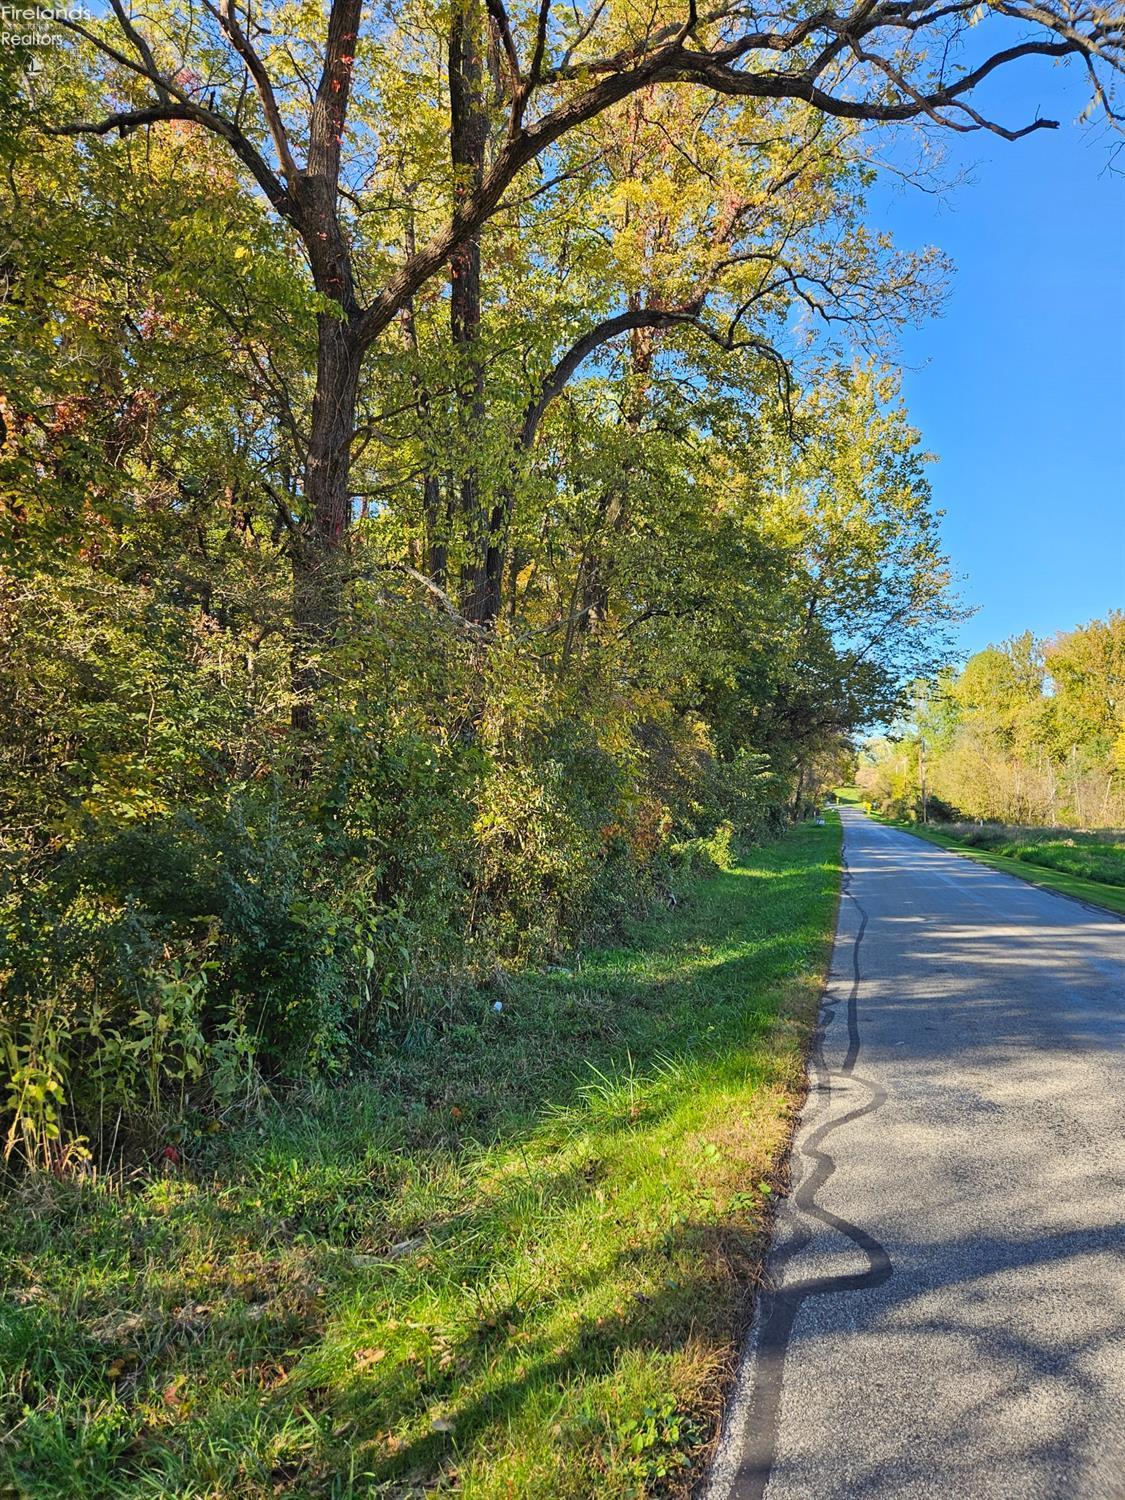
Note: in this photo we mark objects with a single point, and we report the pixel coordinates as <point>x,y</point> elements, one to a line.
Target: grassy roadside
<point>1096,892</point>
<point>509,1265</point>
<point>850,796</point>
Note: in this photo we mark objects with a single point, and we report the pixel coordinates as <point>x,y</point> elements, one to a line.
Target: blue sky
<point>1020,386</point>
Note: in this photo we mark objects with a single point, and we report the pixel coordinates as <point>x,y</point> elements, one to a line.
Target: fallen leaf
<point>192,1318</point>
<point>117,1327</point>
<point>123,1365</point>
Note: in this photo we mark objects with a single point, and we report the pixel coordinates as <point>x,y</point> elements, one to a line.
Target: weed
<point>510,1262</point>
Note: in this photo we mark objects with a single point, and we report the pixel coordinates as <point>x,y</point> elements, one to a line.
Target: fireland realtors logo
<point>29,27</point>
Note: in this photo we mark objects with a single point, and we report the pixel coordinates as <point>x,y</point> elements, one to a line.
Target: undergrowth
<point>511,1261</point>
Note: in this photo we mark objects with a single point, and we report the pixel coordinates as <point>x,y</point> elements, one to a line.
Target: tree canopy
<point>1029,732</point>
<point>452,477</point>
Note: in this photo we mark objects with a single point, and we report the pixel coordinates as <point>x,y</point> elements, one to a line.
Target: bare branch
<point>536,72</point>
<point>687,315</point>
<point>669,61</point>
<point>225,14</point>
<point>436,592</point>
<point>176,105</point>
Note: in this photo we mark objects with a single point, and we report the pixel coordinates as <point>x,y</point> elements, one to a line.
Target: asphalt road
<point>945,1303</point>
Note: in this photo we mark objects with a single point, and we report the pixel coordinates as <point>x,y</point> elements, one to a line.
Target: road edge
<point>708,1484</point>
<point>983,857</point>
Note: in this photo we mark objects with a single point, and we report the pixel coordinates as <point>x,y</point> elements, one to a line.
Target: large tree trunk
<point>468,139</point>
<point>798,793</point>
<point>328,465</point>
<point>319,554</point>
<point>318,551</point>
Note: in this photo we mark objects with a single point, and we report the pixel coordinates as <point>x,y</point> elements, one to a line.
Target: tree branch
<point>129,120</point>
<point>685,316</point>
<point>671,62</point>
<point>144,51</point>
<point>224,13</point>
<point>436,592</point>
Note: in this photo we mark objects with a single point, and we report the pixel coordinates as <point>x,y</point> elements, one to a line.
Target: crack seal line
<point>781,1303</point>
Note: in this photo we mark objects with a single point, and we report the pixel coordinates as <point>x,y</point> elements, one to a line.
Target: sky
<point>1019,387</point>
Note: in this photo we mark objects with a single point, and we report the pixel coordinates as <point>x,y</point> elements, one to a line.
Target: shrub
<point>196,904</point>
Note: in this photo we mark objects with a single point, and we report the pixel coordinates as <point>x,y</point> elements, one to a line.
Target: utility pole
<point>922,776</point>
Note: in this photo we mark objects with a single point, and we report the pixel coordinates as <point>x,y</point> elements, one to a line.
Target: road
<point>945,1303</point>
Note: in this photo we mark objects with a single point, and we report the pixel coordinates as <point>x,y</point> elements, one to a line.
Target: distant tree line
<point>1031,732</point>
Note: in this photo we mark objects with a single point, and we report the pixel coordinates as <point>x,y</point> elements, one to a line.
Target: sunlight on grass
<point>1085,866</point>
<point>511,1262</point>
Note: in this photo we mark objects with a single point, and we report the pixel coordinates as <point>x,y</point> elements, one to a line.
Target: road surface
<point>945,1303</point>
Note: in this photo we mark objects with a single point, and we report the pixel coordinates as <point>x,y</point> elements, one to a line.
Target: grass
<point>513,1262</point>
<point>851,796</point>
<point>1085,855</point>
<point>1079,865</point>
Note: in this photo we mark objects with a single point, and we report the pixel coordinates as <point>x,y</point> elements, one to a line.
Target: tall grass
<point>510,1262</point>
<point>1088,855</point>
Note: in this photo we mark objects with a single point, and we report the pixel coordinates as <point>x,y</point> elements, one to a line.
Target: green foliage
<point>188,915</point>
<point>318,735</point>
<point>1084,855</point>
<point>216,880</point>
<point>1028,733</point>
<point>519,1247</point>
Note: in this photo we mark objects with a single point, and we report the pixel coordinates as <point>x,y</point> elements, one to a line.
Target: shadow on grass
<point>487,1141</point>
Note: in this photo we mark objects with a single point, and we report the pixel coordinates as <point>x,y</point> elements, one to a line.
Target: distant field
<point>849,794</point>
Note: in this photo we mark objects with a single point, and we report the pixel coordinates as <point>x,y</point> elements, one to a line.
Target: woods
<point>458,514</point>
<point>452,484</point>
<point>1029,732</point>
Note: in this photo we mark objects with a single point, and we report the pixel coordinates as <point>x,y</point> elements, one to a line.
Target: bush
<point>196,904</point>
<point>705,855</point>
<point>170,961</point>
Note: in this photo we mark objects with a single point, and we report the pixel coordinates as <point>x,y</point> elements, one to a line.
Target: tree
<point>1028,731</point>
<point>708,250</point>
<point>1087,669</point>
<point>303,130</point>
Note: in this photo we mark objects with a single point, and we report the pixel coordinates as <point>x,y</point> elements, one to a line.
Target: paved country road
<point>946,1304</point>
